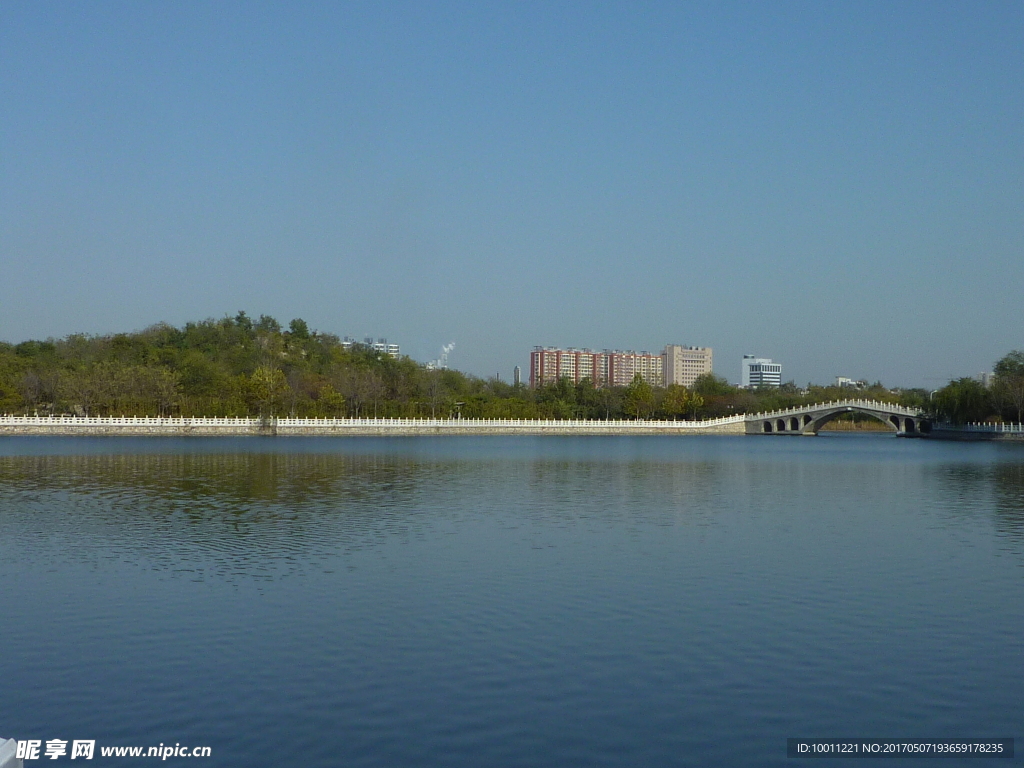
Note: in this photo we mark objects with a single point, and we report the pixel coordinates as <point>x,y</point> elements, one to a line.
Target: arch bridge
<point>808,419</point>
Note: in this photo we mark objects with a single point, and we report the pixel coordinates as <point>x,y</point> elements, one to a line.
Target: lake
<point>555,601</point>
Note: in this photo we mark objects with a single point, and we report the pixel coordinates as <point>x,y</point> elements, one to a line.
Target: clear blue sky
<point>839,186</point>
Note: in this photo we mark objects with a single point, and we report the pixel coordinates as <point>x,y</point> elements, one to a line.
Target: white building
<point>380,345</point>
<point>843,381</point>
<point>760,372</point>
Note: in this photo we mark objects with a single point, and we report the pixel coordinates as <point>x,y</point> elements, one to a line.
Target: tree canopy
<point>1009,384</point>
<point>237,366</point>
<point>962,401</point>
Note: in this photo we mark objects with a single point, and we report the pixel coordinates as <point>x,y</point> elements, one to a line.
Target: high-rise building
<point>760,372</point>
<point>606,368</point>
<point>517,376</point>
<point>682,365</point>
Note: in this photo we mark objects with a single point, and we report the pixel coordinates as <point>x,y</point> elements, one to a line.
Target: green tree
<point>31,388</point>
<point>330,403</point>
<point>165,389</point>
<point>268,325</point>
<point>269,386</point>
<point>1009,382</point>
<point>242,321</point>
<point>639,398</point>
<point>676,401</point>
<point>87,391</point>
<point>376,390</point>
<point>962,401</point>
<point>708,384</point>
<point>298,329</point>
<point>695,404</point>
<point>435,390</point>
<point>588,399</point>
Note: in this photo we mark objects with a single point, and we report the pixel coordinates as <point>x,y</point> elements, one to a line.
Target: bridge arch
<point>900,424</point>
<point>807,420</point>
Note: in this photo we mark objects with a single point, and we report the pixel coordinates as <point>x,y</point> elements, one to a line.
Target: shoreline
<point>239,427</point>
<point>70,426</point>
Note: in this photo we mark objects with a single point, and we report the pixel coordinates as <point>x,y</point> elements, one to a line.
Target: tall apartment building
<point>623,366</point>
<point>760,372</point>
<point>606,368</point>
<point>682,365</point>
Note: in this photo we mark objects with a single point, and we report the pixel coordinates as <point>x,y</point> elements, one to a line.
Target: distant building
<point>380,345</point>
<point>760,372</point>
<point>682,365</point>
<point>517,376</point>
<point>842,381</point>
<point>987,379</point>
<point>614,368</point>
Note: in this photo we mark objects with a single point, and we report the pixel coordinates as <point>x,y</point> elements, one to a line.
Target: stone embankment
<point>182,427</point>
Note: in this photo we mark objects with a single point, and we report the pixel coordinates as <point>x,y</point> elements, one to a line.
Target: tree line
<point>969,400</point>
<point>241,366</point>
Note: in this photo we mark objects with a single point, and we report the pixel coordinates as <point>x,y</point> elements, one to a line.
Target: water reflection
<point>992,492</point>
<point>269,514</point>
<point>229,514</point>
<point>465,603</point>
<point>1009,500</point>
<point>265,514</point>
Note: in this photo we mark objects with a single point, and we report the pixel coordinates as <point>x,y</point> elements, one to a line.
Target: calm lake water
<point>510,601</point>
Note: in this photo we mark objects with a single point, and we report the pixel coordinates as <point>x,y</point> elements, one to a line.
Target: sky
<point>836,186</point>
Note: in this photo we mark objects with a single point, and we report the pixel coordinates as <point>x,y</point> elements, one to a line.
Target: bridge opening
<point>807,419</point>
<point>910,429</point>
<point>857,420</point>
<point>781,425</point>
<point>794,423</point>
<point>767,426</point>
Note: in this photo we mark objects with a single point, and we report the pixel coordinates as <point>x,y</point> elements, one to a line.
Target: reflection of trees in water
<point>996,489</point>
<point>246,513</point>
<point>253,514</point>
<point>1009,498</point>
<point>270,477</point>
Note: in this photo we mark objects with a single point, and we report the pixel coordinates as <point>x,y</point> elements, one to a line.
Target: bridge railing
<point>875,405</point>
<point>230,421</point>
<point>484,423</point>
<point>241,421</point>
<point>978,426</point>
<point>10,420</point>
